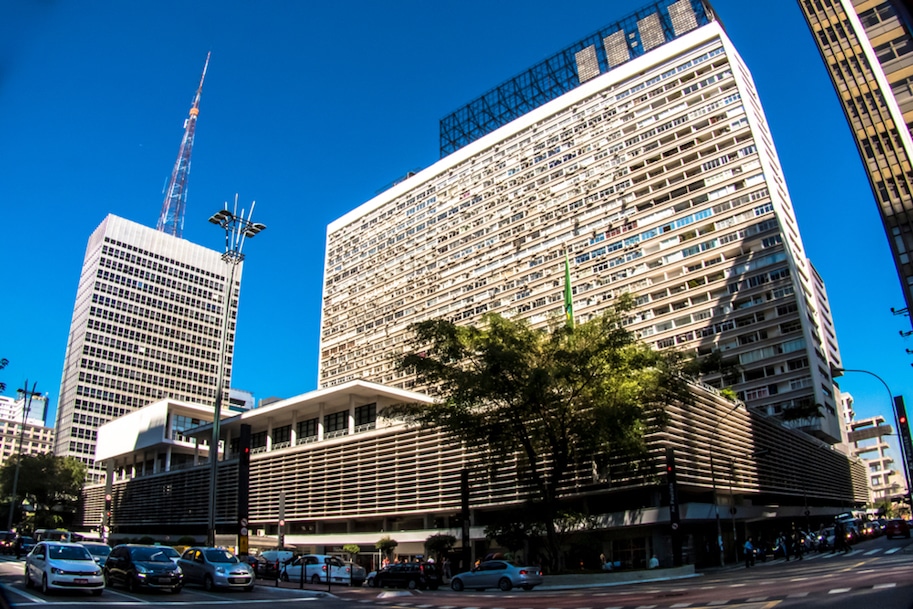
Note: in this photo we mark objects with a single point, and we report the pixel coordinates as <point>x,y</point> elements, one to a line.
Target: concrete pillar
<point>351,421</point>
<point>321,407</point>
<point>269,434</point>
<point>293,436</point>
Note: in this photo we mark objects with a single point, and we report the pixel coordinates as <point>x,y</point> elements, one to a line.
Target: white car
<point>315,570</point>
<point>57,565</point>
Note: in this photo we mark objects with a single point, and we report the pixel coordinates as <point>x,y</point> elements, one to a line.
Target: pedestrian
<point>749,553</point>
<point>654,563</point>
<point>784,545</point>
<point>797,543</point>
<point>18,544</point>
<point>839,537</point>
<point>446,567</point>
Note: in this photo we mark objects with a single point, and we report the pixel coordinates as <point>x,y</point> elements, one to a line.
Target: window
<point>307,429</point>
<point>894,49</point>
<point>336,421</point>
<point>282,434</point>
<point>365,414</point>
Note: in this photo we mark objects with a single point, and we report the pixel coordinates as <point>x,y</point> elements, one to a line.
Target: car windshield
<point>170,552</point>
<point>26,539</point>
<point>220,556</point>
<point>149,555</point>
<point>69,553</point>
<point>97,549</point>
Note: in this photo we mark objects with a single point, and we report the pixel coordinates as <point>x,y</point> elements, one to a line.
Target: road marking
<point>679,605</point>
<point>757,599</point>
<point>875,551</point>
<point>839,590</point>
<point>717,603</point>
<point>883,586</point>
<point>799,579</point>
<point>798,595</point>
<point>891,551</point>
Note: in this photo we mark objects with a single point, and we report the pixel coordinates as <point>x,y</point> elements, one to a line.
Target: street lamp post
<point>26,397</point>
<point>716,503</point>
<point>237,228</point>
<point>904,457</point>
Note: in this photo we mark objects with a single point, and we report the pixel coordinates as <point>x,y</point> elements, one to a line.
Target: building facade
<point>146,326</point>
<point>867,49</point>
<point>868,440</point>
<point>347,474</point>
<point>12,409</point>
<point>652,167</point>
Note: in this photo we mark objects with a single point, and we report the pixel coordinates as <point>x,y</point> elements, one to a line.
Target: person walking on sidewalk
<point>749,553</point>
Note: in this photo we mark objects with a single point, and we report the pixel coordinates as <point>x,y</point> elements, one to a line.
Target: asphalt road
<point>876,574</point>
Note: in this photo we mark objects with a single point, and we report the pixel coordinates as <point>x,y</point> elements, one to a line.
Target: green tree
<point>50,484</point>
<point>439,545</point>
<point>555,397</point>
<point>385,546</point>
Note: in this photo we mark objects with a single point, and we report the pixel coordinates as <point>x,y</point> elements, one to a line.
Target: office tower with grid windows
<point>146,326</point>
<point>643,152</point>
<point>867,49</point>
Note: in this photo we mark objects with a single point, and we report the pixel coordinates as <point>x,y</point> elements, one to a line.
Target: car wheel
<point>284,576</point>
<point>411,584</point>
<point>505,584</point>
<point>370,583</point>
<point>456,585</point>
<point>315,579</point>
<point>208,584</point>
<point>131,583</point>
<point>250,588</point>
<point>97,592</point>
<point>44,585</point>
<point>28,579</point>
<point>176,589</point>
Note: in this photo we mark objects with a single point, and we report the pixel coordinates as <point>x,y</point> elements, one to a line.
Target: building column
<point>293,436</point>
<point>269,434</point>
<point>320,411</point>
<point>351,414</point>
<point>168,458</point>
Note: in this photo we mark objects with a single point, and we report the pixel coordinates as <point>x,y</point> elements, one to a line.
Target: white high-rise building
<point>643,152</point>
<point>146,326</point>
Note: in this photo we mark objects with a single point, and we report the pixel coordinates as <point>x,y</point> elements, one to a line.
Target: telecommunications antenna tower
<point>171,220</point>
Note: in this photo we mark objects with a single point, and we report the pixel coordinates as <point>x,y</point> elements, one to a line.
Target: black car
<point>142,567</point>
<point>410,575</point>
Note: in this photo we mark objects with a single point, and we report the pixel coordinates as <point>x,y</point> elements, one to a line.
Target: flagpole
<point>568,297</point>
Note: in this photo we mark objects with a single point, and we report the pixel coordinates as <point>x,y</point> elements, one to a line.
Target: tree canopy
<point>49,483</point>
<point>556,396</point>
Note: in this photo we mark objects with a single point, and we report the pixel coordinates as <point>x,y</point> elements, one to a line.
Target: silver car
<point>216,568</point>
<point>500,574</point>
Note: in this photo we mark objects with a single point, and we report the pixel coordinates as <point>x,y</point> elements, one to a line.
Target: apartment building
<point>867,49</point>
<point>868,440</point>
<point>146,326</point>
<point>34,437</point>
<point>643,154</point>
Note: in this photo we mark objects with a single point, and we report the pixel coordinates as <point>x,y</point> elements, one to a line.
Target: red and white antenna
<point>171,220</point>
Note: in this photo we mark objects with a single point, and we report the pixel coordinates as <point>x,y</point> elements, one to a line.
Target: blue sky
<point>312,108</point>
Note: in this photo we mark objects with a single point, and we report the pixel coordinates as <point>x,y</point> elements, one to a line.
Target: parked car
<point>63,566</point>
<point>99,551</point>
<point>215,568</point>
<point>315,570</point>
<point>410,575</point>
<point>139,567</point>
<point>172,554</point>
<point>897,527</point>
<point>268,564</point>
<point>7,542</point>
<point>26,543</point>
<point>498,574</point>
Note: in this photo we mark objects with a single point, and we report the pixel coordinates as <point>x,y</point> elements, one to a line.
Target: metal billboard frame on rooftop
<point>609,47</point>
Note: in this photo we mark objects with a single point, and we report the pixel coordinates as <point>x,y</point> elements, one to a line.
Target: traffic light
<point>243,488</point>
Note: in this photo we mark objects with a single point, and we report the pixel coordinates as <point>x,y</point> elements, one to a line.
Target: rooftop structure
<point>608,48</point>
